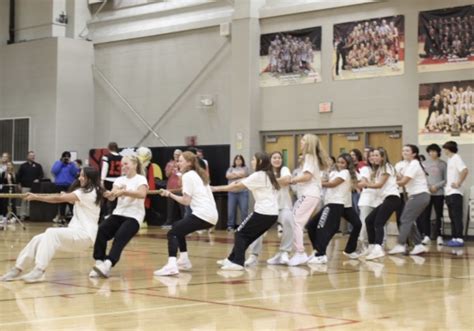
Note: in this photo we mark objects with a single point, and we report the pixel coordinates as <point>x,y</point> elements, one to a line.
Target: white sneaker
<point>354,255</point>
<point>275,259</point>
<point>184,264</point>
<point>367,250</point>
<point>398,249</point>
<point>284,259</point>
<point>223,262</point>
<point>12,274</point>
<point>167,270</point>
<point>232,267</point>
<point>34,276</point>
<point>418,249</point>
<point>103,269</point>
<point>439,241</point>
<point>251,261</point>
<point>298,259</point>
<point>426,240</point>
<point>376,253</point>
<point>323,259</point>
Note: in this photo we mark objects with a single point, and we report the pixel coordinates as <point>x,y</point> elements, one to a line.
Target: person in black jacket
<point>28,173</point>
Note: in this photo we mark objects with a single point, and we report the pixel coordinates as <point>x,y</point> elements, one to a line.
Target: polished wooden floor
<point>433,292</point>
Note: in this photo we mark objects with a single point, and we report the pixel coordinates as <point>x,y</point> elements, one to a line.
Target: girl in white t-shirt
<point>369,197</point>
<point>413,178</point>
<point>385,181</point>
<point>285,216</point>
<point>198,195</point>
<point>85,194</point>
<point>314,161</point>
<point>323,227</point>
<point>130,190</point>
<point>264,187</point>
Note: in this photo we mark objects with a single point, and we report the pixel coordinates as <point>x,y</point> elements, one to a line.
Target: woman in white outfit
<point>85,194</point>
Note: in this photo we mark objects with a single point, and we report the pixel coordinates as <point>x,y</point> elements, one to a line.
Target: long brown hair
<point>92,176</point>
<point>264,164</point>
<point>194,161</point>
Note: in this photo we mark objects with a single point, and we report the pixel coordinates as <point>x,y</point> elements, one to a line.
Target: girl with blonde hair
<point>314,160</point>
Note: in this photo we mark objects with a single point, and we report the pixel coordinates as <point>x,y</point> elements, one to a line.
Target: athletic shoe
<point>12,274</point>
<point>298,259</point>
<point>426,240</point>
<point>398,249</point>
<point>184,264</point>
<point>376,253</point>
<point>223,262</point>
<point>284,259</point>
<point>34,276</point>
<point>167,270</point>
<point>418,249</point>
<point>454,243</point>
<point>366,250</point>
<point>232,267</point>
<point>275,259</point>
<point>353,255</point>
<point>103,269</point>
<point>439,241</point>
<point>323,259</point>
<point>251,261</point>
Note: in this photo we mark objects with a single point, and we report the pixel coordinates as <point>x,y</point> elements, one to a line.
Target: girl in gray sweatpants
<point>416,185</point>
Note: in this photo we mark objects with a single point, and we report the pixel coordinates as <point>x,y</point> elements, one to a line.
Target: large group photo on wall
<point>446,112</point>
<point>369,48</point>
<point>445,39</point>
<point>290,57</point>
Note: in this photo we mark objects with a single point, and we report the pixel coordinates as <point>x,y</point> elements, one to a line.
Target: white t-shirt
<point>418,182</point>
<point>311,188</point>
<point>284,198</point>
<point>342,192</point>
<point>266,197</point>
<point>127,206</point>
<point>203,204</point>
<point>390,187</point>
<point>85,213</point>
<point>455,166</point>
<point>399,168</point>
<point>368,196</point>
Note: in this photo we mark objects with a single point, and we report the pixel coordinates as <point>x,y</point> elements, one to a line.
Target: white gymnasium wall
<point>28,89</point>
<point>151,73</point>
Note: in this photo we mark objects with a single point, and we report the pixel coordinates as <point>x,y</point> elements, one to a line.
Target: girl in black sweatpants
<point>264,187</point>
<point>323,227</point>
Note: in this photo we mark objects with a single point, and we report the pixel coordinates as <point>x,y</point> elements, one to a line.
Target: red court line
<point>347,321</point>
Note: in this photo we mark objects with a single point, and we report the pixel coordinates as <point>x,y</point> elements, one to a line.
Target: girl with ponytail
<point>264,186</point>
<point>198,195</point>
<point>414,180</point>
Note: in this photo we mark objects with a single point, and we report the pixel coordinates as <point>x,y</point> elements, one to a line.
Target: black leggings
<point>183,227</point>
<point>248,231</point>
<point>424,221</point>
<point>377,219</point>
<point>454,203</point>
<point>121,229</point>
<point>351,216</point>
<point>324,226</point>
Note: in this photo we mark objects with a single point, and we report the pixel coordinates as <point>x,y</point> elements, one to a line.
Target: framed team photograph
<point>446,112</point>
<point>290,57</point>
<point>445,39</point>
<point>370,48</point>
